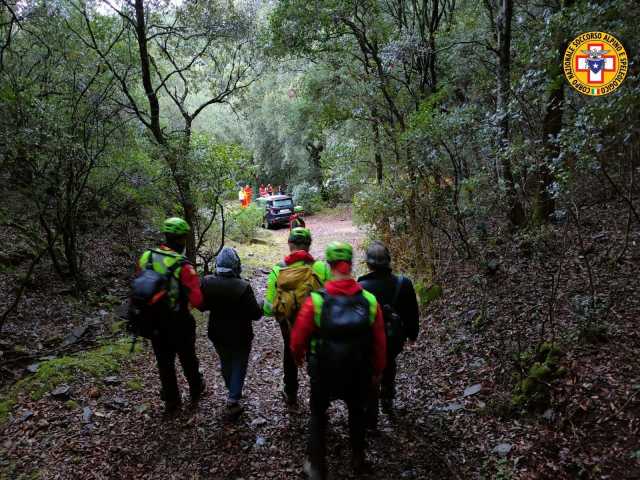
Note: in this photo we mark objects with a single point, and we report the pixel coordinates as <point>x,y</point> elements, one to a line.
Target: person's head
<point>176,231</point>
<point>299,239</point>
<point>298,209</point>
<point>339,256</point>
<point>378,257</point>
<point>228,263</point>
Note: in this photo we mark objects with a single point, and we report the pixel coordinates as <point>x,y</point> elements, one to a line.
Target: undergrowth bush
<point>242,224</point>
<point>536,370</point>
<point>308,196</point>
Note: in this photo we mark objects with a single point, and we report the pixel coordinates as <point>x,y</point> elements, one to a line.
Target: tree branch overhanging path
<point>184,54</point>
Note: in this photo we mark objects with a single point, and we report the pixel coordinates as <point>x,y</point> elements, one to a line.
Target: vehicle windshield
<point>284,203</point>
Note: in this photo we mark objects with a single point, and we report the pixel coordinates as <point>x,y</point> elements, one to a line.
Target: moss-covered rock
<point>96,363</point>
<point>536,370</point>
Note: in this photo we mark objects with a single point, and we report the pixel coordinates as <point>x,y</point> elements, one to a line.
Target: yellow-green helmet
<point>300,235</point>
<point>175,226</point>
<point>298,209</point>
<point>339,251</point>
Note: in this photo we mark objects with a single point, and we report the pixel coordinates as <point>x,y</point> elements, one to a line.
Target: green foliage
<point>308,196</point>
<point>427,294</point>
<point>135,384</point>
<point>536,370</point>
<point>217,168</point>
<point>243,223</point>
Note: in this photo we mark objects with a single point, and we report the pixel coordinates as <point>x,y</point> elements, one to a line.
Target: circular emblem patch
<point>595,63</point>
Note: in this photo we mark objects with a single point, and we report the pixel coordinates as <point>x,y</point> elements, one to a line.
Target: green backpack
<point>293,286</point>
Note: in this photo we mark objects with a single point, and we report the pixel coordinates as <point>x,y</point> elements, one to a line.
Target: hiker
<point>401,315</point>
<point>248,195</point>
<point>232,306</point>
<point>241,197</point>
<point>297,219</point>
<point>269,189</point>
<point>262,190</point>
<point>288,285</point>
<point>343,329</point>
<point>172,328</point>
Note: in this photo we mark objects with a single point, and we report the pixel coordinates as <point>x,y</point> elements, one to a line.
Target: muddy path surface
<point>114,429</point>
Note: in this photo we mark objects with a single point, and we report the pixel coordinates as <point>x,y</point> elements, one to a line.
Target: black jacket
<point>383,285</point>
<point>232,307</point>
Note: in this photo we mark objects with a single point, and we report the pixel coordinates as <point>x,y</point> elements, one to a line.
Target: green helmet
<point>337,251</point>
<point>300,235</point>
<point>298,209</point>
<point>175,226</point>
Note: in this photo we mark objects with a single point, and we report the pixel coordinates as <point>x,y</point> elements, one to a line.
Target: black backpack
<point>392,322</point>
<point>343,356</point>
<point>150,308</point>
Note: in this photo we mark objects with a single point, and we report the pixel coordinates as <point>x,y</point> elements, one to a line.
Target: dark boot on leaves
<point>360,464</point>
<point>387,405</point>
<point>313,472</point>
<point>199,392</point>
<point>234,410</point>
<point>172,408</point>
<point>290,400</point>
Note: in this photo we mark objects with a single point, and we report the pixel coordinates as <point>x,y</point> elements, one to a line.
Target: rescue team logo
<point>595,63</point>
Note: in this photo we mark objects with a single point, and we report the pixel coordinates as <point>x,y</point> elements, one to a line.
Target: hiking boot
<point>172,408</point>
<point>360,464</point>
<point>234,409</point>
<point>312,472</point>
<point>199,392</point>
<point>290,400</point>
<point>387,405</point>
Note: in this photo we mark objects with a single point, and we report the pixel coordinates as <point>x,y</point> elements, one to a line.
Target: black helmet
<point>378,255</point>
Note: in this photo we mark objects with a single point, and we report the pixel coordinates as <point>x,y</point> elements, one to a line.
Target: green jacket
<point>319,267</point>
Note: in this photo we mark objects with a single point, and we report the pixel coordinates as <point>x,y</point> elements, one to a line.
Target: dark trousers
<point>233,363</point>
<point>288,364</point>
<point>386,390</point>
<point>166,347</point>
<point>320,400</point>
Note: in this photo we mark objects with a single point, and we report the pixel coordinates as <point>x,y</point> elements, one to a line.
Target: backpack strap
<point>396,293</point>
<point>318,298</point>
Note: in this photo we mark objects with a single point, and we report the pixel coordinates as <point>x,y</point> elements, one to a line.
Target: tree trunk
<point>516,211</point>
<point>544,203</point>
<point>145,66</point>
<point>314,158</point>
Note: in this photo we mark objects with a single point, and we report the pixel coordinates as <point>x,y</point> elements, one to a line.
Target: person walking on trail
<point>172,285</point>
<point>401,315</point>
<point>269,189</point>
<point>297,219</point>
<point>288,285</point>
<point>342,328</point>
<point>233,307</point>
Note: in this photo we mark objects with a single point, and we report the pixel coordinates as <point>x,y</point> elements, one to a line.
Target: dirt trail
<point>128,438</point>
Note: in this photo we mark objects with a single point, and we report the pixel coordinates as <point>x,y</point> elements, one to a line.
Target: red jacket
<point>189,279</point>
<point>304,326</point>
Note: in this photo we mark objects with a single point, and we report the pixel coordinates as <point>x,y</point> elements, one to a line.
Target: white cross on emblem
<point>595,75</point>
